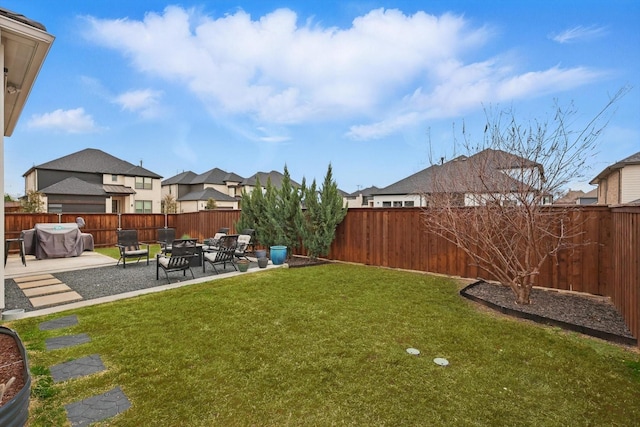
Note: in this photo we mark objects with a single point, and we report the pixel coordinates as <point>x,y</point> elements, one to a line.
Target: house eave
<point>25,46</point>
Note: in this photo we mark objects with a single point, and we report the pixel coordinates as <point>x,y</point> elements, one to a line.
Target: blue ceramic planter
<point>278,254</point>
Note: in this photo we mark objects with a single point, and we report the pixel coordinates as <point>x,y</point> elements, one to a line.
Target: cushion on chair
<point>135,252</point>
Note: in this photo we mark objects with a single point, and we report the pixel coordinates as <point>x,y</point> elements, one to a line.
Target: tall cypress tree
<point>285,211</point>
<point>324,211</point>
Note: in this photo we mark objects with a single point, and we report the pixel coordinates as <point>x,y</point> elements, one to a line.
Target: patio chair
<point>251,232</point>
<point>165,237</point>
<point>213,243</point>
<point>130,247</point>
<point>182,252</point>
<point>243,244</point>
<point>223,255</point>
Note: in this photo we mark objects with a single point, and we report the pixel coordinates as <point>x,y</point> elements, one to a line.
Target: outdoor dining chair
<point>243,244</point>
<point>213,243</point>
<point>130,247</point>
<point>225,253</point>
<point>182,252</point>
<point>165,237</point>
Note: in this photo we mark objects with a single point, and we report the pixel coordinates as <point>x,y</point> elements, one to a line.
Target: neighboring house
<point>361,198</point>
<point>619,183</point>
<point>461,180</point>
<point>578,197</point>
<point>92,181</point>
<point>192,192</point>
<point>274,177</point>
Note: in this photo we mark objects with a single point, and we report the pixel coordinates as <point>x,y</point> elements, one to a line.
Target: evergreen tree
<point>211,204</point>
<point>269,219</point>
<point>324,211</point>
<point>247,215</point>
<point>288,213</point>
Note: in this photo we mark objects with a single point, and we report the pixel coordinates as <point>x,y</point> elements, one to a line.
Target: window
<point>55,208</point>
<point>114,178</point>
<point>408,204</point>
<point>143,206</point>
<point>386,204</point>
<point>143,183</point>
<point>397,204</point>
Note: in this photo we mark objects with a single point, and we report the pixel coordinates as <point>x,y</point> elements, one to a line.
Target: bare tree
<point>494,204</point>
<point>32,202</point>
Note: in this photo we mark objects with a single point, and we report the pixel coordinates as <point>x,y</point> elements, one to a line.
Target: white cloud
<point>145,101</point>
<point>579,33</point>
<point>388,68</point>
<point>66,121</point>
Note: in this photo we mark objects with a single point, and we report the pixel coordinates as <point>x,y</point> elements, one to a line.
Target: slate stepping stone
<point>97,408</point>
<point>56,343</point>
<point>77,368</point>
<point>62,322</point>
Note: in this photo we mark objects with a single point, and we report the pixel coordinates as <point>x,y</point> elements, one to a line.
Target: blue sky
<point>374,88</point>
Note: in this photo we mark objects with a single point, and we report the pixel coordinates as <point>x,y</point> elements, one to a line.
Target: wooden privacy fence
<point>605,262</point>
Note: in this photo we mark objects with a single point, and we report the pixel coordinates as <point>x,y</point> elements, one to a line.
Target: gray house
<point>469,180</point>
<point>192,192</point>
<point>92,181</point>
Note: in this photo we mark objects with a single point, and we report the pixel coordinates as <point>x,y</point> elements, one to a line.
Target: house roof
<point>75,186</point>
<point>570,198</point>
<point>95,161</point>
<point>216,176</point>
<point>26,45</point>
<point>369,191</point>
<point>460,175</point>
<point>118,189</point>
<point>275,176</point>
<point>181,178</point>
<point>206,194</point>
<point>633,159</point>
<point>21,18</point>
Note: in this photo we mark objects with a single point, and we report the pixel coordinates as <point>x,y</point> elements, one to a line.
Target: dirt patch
<point>299,261</point>
<point>591,315</point>
<point>11,365</point>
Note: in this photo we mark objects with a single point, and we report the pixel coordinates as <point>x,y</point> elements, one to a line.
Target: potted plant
<point>263,261</point>
<point>243,265</point>
<point>278,254</point>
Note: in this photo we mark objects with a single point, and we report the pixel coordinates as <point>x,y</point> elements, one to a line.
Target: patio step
<point>44,289</point>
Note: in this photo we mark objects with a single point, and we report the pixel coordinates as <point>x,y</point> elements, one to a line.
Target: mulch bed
<point>587,314</point>
<point>11,365</point>
<point>299,261</point>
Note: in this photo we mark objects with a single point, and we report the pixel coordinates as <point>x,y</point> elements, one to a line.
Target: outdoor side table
<point>7,245</point>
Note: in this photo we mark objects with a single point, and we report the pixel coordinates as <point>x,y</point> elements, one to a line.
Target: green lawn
<point>326,346</point>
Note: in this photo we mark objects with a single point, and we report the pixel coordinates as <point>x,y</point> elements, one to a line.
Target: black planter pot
<point>15,412</point>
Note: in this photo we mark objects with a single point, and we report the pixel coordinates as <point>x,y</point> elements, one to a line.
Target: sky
<point>377,89</point>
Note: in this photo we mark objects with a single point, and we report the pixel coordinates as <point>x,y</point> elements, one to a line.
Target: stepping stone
<point>61,322</point>
<point>32,278</point>
<point>46,290</point>
<point>56,343</point>
<point>77,368</point>
<point>38,283</point>
<point>97,408</point>
<point>55,299</point>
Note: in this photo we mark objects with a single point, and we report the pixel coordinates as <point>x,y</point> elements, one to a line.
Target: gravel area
<point>111,280</point>
<point>593,312</point>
